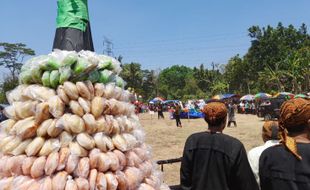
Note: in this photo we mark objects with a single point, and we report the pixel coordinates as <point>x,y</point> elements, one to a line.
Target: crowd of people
<point>213,160</point>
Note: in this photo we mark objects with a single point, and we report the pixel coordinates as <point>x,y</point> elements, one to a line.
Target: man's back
<point>215,162</point>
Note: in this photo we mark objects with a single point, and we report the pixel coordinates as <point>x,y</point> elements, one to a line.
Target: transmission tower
<point>107,46</point>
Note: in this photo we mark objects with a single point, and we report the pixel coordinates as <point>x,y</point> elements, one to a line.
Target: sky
<point>156,33</point>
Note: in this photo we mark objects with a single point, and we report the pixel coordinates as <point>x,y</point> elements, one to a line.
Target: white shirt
<point>254,155</point>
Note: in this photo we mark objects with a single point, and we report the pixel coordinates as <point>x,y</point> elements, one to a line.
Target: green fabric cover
<point>72,14</point>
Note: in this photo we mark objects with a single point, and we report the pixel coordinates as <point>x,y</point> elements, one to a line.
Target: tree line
<point>277,60</point>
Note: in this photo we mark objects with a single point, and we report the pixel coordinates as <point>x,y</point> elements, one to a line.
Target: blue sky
<point>156,33</point>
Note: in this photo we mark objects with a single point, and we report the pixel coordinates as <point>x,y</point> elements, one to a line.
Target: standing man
<point>231,115</point>
<point>177,113</point>
<point>215,161</point>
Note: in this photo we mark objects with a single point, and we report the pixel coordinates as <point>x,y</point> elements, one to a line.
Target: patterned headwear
<point>271,130</point>
<point>293,114</point>
<point>215,112</point>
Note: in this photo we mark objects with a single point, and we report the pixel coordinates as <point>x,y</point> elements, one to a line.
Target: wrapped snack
<point>46,183</point>
<point>37,168</point>
<point>76,108</point>
<point>105,62</point>
<point>11,145</point>
<point>48,63</point>
<point>35,146</point>
<point>25,109</point>
<point>9,112</point>
<point>133,176</point>
<point>85,141</point>
<point>51,163</point>
<point>46,78</point>
<point>85,104</point>
<point>100,142</point>
<point>56,106</point>
<point>121,158</point>
<point>101,182</point>
<point>38,93</point>
<point>64,154</point>
<point>109,90</point>
<point>141,153</point>
<point>49,146</point>
<point>42,112</point>
<point>15,164</point>
<point>71,185</point>
<point>65,138</point>
<point>5,140</point>
<point>94,76</point>
<point>90,123</point>
<point>102,125</point>
<point>82,169</point>
<point>42,130</point>
<point>71,90</point>
<point>6,126</point>
<point>97,106</point>
<point>104,162</point>
<point>3,162</point>
<point>91,88</point>
<point>146,168</point>
<point>92,179</point>
<point>76,124</point>
<point>76,149</point>
<point>114,161</point>
<point>119,142</point>
<point>108,141</point>
<point>119,82</point>
<point>25,185</point>
<point>16,94</point>
<point>26,128</point>
<point>112,182</point>
<point>65,74</point>
<point>130,140</point>
<point>83,90</point>
<point>72,163</point>
<point>117,93</point>
<point>20,149</point>
<point>64,122</point>
<point>27,164</point>
<point>132,159</point>
<point>122,180</point>
<point>59,181</point>
<point>54,78</point>
<point>82,183</point>
<point>99,89</point>
<point>53,130</point>
<point>93,158</point>
<point>62,94</point>
<point>82,66</point>
<point>125,96</point>
<point>105,76</point>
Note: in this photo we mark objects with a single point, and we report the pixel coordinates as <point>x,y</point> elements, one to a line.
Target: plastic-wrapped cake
<point>71,126</point>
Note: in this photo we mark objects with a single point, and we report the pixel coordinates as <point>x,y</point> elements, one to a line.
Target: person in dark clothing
<point>177,113</point>
<point>2,116</point>
<point>231,115</point>
<point>215,161</point>
<point>160,111</point>
<point>287,166</point>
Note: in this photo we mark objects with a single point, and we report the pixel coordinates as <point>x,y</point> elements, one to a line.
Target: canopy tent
<point>262,95</point>
<point>286,95</point>
<point>248,97</point>
<point>301,96</point>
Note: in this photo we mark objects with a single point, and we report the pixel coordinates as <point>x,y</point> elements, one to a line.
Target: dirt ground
<point>167,141</point>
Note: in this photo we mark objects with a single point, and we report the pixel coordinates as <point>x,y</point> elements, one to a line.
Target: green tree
<point>133,75</point>
<point>12,57</point>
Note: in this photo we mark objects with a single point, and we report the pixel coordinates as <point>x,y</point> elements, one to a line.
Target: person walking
<point>160,111</point>
<point>177,113</point>
<point>287,166</point>
<point>231,115</point>
<point>215,161</point>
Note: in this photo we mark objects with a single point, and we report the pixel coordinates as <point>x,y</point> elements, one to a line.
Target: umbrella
<point>217,97</point>
<point>301,96</point>
<point>226,96</point>
<point>158,99</point>
<point>262,95</point>
<point>248,97</point>
<point>285,95</point>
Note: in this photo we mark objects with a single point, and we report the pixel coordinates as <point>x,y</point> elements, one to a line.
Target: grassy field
<point>167,140</point>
